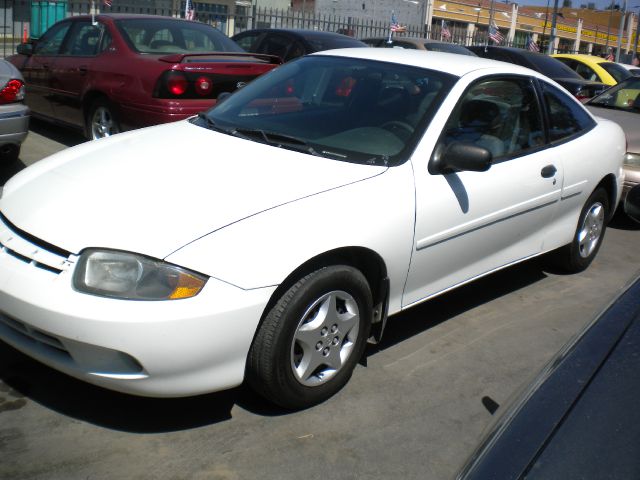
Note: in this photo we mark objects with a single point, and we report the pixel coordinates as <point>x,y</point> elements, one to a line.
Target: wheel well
<point>609,184</point>
<point>367,261</point>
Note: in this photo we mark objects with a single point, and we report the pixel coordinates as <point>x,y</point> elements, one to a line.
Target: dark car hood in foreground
<point>581,417</point>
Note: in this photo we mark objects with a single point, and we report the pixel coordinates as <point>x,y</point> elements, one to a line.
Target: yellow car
<point>595,68</point>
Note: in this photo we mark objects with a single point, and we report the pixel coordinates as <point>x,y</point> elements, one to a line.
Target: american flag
<point>494,34</point>
<point>532,45</point>
<point>189,12</point>
<point>395,26</point>
<point>446,34</point>
<point>107,3</point>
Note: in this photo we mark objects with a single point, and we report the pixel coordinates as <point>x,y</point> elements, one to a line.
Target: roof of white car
<point>452,63</point>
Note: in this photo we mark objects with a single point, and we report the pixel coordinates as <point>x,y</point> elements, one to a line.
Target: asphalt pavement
<point>415,409</point>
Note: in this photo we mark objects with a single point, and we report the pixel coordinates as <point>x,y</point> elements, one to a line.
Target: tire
<point>312,338</point>
<point>592,223</point>
<point>101,121</point>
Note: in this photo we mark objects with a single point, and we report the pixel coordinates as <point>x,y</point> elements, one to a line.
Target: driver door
<point>471,223</point>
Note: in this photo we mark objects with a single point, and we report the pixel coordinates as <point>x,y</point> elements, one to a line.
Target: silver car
<point>621,104</point>
<point>14,114</point>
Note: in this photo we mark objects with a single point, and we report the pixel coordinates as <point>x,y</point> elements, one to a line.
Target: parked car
<point>334,191</point>
<point>417,43</point>
<point>621,104</point>
<point>292,43</point>
<point>552,68</point>
<point>634,69</point>
<point>594,68</point>
<point>130,71</point>
<point>14,114</point>
<point>579,418</point>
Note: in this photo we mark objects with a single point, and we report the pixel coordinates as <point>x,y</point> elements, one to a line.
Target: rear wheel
<point>578,255</point>
<point>101,120</point>
<point>312,338</point>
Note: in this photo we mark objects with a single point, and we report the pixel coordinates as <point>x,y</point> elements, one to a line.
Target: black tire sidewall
<point>284,389</point>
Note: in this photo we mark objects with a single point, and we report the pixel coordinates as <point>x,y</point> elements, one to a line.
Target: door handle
<point>548,171</point>
<point>82,69</point>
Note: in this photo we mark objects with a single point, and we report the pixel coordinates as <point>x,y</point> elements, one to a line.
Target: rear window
<point>551,67</point>
<point>319,44</point>
<point>616,71</point>
<point>166,36</point>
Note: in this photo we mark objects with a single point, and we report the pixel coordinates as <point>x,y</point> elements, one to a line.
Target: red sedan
<point>120,72</point>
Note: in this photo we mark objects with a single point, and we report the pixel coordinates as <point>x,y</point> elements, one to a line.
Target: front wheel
<point>312,338</point>
<point>101,120</point>
<point>578,255</point>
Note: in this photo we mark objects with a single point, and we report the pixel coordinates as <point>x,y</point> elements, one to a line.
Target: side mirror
<point>632,203</point>
<point>25,49</point>
<point>459,156</point>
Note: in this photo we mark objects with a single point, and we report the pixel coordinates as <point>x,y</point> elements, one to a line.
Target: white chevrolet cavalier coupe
<point>269,238</point>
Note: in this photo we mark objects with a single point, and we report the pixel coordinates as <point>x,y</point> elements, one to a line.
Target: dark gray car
<point>14,114</point>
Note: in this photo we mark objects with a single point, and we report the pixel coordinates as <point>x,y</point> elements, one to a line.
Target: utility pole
<point>623,16</point>
<point>554,19</point>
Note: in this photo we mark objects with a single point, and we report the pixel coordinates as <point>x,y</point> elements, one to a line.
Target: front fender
<point>377,213</point>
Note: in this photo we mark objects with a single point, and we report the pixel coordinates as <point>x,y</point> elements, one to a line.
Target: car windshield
<point>551,67</point>
<point>624,96</point>
<point>167,36</point>
<point>345,109</point>
<point>616,71</point>
<point>448,48</point>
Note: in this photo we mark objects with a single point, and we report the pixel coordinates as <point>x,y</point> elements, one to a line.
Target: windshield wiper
<point>210,124</point>
<point>275,139</point>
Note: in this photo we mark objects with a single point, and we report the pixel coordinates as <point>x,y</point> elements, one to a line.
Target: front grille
<point>31,250</point>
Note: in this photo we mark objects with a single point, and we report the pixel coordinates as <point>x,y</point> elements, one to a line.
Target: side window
<point>106,41</point>
<point>501,115</point>
<point>83,40</point>
<point>566,117</point>
<point>247,42</point>
<point>275,45</point>
<point>586,72</point>
<point>296,50</point>
<point>51,41</point>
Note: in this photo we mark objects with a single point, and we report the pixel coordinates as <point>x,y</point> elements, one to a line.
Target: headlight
<point>632,159</point>
<point>124,275</point>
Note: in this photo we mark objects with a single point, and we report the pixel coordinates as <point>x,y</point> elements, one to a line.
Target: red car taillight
<point>177,83</point>
<point>13,91</point>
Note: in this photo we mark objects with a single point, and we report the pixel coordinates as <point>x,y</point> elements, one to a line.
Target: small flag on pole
<point>189,13</point>
<point>532,45</point>
<point>495,35</point>
<point>107,3</point>
<point>610,55</point>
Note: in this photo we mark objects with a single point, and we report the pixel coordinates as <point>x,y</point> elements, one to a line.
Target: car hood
<point>155,190</point>
<point>629,121</point>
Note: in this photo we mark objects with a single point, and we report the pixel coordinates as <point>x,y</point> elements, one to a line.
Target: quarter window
<point>501,115</point>
<point>566,117</point>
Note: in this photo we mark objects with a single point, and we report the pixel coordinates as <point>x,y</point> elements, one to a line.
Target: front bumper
<point>631,179</point>
<point>161,349</point>
<point>14,123</point>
